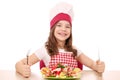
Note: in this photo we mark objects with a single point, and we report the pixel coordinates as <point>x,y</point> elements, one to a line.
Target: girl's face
<point>62,30</point>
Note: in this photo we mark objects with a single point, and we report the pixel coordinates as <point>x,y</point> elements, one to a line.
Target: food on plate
<point>61,71</point>
<point>45,71</point>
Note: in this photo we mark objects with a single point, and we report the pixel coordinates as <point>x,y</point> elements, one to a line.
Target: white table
<point>86,75</point>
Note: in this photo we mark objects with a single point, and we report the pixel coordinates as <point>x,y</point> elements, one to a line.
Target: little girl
<point>59,48</point>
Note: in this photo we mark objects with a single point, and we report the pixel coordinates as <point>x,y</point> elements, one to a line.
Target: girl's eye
<point>58,25</point>
<point>67,26</point>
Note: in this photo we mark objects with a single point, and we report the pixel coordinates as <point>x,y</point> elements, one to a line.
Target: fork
<point>27,55</point>
<point>98,54</point>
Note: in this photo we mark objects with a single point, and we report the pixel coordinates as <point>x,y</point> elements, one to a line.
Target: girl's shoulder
<point>78,50</point>
<point>41,52</point>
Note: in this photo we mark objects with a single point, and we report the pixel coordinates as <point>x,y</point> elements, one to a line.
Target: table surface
<point>85,75</point>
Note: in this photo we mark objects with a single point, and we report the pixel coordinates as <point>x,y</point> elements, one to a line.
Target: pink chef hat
<point>62,11</point>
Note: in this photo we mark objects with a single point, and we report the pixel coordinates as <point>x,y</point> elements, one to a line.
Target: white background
<point>24,24</point>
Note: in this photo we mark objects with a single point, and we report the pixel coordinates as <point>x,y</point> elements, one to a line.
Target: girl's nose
<point>63,28</point>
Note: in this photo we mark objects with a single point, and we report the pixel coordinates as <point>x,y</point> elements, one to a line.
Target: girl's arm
<point>23,68</point>
<point>97,66</point>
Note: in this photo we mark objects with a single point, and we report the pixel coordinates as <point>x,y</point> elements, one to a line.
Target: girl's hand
<point>25,71</point>
<point>23,67</point>
<point>100,66</point>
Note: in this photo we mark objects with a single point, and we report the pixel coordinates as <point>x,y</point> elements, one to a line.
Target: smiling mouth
<point>62,34</point>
